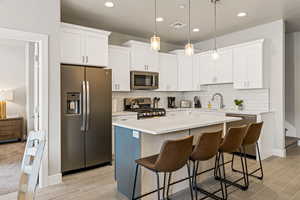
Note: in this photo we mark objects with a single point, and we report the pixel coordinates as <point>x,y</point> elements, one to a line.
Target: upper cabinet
<point>119,62</point>
<point>168,72</point>
<point>83,46</point>
<point>185,71</point>
<point>196,73</point>
<point>143,58</point>
<point>216,71</point>
<point>248,65</point>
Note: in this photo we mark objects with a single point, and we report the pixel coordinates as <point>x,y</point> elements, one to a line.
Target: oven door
<point>144,80</point>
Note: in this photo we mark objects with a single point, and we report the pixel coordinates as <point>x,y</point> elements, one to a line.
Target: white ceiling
<point>136,17</point>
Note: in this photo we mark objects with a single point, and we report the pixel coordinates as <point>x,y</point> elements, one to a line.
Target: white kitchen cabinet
<point>168,72</point>
<point>83,46</point>
<point>119,62</point>
<point>143,58</point>
<point>248,65</point>
<point>185,72</point>
<point>216,71</point>
<point>207,69</point>
<point>196,73</point>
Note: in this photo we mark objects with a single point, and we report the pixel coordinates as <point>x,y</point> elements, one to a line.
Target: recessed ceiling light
<point>196,30</point>
<point>109,4</point>
<point>181,6</point>
<point>159,19</point>
<point>242,14</point>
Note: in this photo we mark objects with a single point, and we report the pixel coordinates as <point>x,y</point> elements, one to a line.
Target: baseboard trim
<point>54,179</point>
<point>279,152</point>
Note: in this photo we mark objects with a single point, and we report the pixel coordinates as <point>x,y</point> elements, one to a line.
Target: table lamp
<point>5,95</point>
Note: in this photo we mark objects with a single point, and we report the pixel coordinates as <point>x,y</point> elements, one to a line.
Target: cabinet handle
<point>83,59</point>
<point>87,59</point>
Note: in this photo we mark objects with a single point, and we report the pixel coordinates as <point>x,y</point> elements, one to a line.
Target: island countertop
<point>174,122</point>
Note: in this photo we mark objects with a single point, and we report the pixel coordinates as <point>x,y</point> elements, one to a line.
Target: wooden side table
<point>11,129</point>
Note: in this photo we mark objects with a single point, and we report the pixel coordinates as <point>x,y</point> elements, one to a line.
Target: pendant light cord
<point>189,17</point>
<point>215,22</point>
<point>155,16</point>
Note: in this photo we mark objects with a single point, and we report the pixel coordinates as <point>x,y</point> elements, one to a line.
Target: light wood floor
<point>281,182</point>
<point>11,155</point>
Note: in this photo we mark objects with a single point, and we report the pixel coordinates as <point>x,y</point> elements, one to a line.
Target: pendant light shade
<point>155,43</point>
<point>215,55</point>
<point>189,47</point>
<point>155,40</point>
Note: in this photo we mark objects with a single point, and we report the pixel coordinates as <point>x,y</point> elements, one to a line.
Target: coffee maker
<point>171,102</point>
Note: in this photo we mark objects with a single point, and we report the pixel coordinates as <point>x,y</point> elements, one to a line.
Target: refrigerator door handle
<point>83,97</point>
<point>87,105</point>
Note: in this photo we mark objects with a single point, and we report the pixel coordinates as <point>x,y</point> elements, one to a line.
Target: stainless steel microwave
<point>143,80</point>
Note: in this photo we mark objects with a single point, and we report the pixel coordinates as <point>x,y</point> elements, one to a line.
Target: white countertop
<point>174,122</point>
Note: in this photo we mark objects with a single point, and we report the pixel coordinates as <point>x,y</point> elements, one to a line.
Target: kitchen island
<point>135,139</point>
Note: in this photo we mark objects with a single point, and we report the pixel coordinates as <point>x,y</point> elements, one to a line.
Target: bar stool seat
<point>173,156</point>
<point>148,162</point>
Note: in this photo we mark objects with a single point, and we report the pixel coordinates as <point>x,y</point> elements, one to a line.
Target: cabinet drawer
<point>11,129</point>
<point>9,134</point>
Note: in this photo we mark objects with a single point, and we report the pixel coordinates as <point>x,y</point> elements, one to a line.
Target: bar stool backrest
<point>233,139</point>
<point>253,133</point>
<point>207,146</point>
<point>31,163</point>
<point>174,154</point>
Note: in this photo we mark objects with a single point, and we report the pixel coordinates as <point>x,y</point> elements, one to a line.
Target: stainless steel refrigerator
<point>86,117</point>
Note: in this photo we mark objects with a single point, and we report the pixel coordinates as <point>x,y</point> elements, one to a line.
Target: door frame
<point>43,87</point>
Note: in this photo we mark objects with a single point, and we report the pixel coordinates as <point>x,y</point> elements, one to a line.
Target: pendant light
<point>215,55</point>
<point>189,47</point>
<point>155,40</point>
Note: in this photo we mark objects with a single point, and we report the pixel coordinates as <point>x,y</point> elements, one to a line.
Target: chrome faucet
<point>221,103</point>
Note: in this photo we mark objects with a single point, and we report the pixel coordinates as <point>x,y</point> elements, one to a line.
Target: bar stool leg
<point>245,187</point>
<point>195,187</point>
<point>158,186</point>
<point>246,166</point>
<point>190,180</point>
<point>224,174</point>
<point>134,184</point>
<point>232,160</point>
<point>260,164</point>
<point>164,187</point>
<point>220,175</point>
<point>169,182</point>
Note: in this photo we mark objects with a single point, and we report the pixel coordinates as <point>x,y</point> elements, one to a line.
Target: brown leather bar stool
<point>232,143</point>
<point>206,148</point>
<point>173,156</point>
<point>252,135</point>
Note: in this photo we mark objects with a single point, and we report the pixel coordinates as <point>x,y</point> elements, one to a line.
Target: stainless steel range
<point>143,108</point>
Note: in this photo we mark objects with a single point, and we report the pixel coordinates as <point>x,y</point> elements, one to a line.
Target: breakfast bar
<point>135,139</point>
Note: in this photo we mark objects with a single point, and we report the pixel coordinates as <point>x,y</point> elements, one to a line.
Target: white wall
<point>292,81</point>
<point>12,76</point>
<point>274,65</point>
<point>41,16</point>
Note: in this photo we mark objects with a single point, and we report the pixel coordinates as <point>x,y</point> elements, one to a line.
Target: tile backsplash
<point>254,99</point>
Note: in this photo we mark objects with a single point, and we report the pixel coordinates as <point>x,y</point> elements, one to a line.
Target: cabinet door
<point>240,68</point>
<point>139,57</point>
<point>119,62</point>
<point>248,66</point>
<point>71,46</point>
<point>196,72</point>
<point>255,66</point>
<point>168,72</point>
<point>152,60</point>
<point>223,66</point>
<point>96,49</point>
<point>185,73</point>
<point>207,69</point>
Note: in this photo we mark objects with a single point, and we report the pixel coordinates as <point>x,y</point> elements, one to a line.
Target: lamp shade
<point>6,95</point>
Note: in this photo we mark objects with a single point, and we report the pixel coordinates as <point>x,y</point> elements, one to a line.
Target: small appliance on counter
<point>171,102</point>
<point>185,104</point>
<point>143,108</point>
<point>155,102</point>
<point>197,102</point>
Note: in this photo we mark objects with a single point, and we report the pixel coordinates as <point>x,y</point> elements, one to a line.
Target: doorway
<point>34,113</point>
